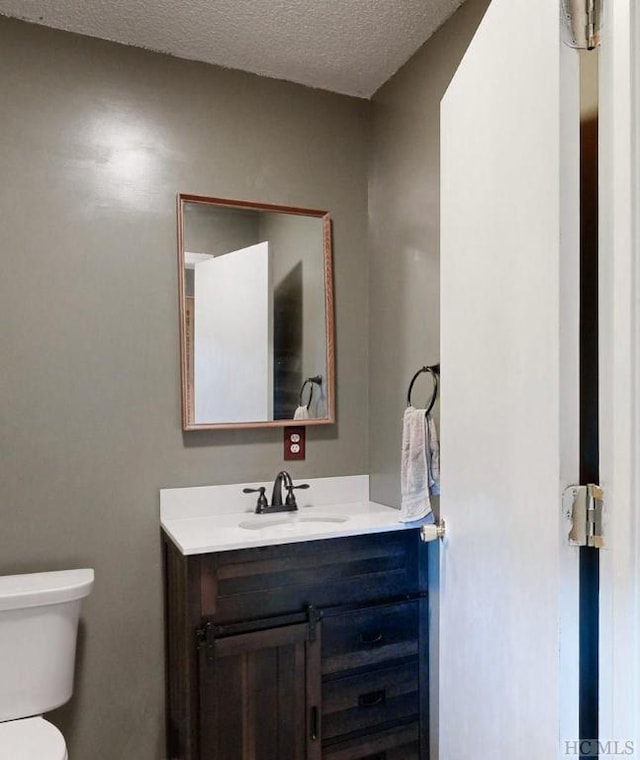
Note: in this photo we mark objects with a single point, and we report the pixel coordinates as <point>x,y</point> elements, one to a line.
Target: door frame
<point>619,272</point>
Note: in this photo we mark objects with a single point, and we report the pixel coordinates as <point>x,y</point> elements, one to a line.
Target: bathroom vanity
<point>297,647</point>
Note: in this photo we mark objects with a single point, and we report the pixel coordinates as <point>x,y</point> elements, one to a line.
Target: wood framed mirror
<point>256,314</point>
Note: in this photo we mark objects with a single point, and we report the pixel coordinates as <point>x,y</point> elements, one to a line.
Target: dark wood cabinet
<point>299,652</point>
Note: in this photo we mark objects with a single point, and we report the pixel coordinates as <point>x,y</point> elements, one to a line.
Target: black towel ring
<point>434,371</point>
<point>311,381</point>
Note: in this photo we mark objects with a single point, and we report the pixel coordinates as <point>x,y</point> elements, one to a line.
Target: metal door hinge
<point>583,22</point>
<point>583,505</point>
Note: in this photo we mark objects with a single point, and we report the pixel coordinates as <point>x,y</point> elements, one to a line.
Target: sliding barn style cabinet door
<point>260,695</point>
<point>508,663</point>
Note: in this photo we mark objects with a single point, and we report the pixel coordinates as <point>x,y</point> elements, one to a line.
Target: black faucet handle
<point>290,501</point>
<point>262,499</point>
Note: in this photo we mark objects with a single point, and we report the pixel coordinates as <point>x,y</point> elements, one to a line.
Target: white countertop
<point>208,519</point>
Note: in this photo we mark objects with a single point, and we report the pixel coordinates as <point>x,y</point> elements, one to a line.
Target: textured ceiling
<point>347,46</point>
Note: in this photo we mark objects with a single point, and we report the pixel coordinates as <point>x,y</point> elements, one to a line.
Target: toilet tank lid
<point>39,589</point>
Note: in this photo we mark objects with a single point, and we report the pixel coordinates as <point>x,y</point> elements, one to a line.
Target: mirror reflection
<point>256,313</point>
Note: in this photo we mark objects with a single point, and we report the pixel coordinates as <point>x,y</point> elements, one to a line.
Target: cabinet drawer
<point>368,700</point>
<point>397,744</point>
<point>250,584</point>
<point>367,637</point>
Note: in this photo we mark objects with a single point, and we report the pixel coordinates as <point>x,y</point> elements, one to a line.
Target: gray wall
<point>214,230</point>
<point>95,141</point>
<point>404,238</point>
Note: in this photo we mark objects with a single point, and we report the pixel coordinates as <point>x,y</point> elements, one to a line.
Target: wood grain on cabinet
<point>401,743</point>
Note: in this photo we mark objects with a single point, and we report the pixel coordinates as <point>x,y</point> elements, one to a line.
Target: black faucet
<point>276,495</point>
<point>277,505</point>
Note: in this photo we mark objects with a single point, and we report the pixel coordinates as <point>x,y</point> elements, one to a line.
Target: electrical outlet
<point>294,443</point>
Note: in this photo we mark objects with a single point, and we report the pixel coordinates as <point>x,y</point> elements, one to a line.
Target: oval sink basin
<point>262,522</point>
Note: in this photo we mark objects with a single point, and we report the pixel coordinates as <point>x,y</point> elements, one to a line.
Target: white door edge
<point>619,126</point>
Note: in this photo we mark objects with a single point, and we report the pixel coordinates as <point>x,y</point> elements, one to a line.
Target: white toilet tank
<point>38,626</point>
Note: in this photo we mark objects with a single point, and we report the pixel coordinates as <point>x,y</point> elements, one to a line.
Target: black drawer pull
<point>314,724</point>
<point>372,698</point>
<point>377,756</point>
<point>369,639</point>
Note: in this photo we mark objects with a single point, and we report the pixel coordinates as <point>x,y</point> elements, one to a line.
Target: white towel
<point>420,466</point>
<point>433,457</point>
<point>302,413</point>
